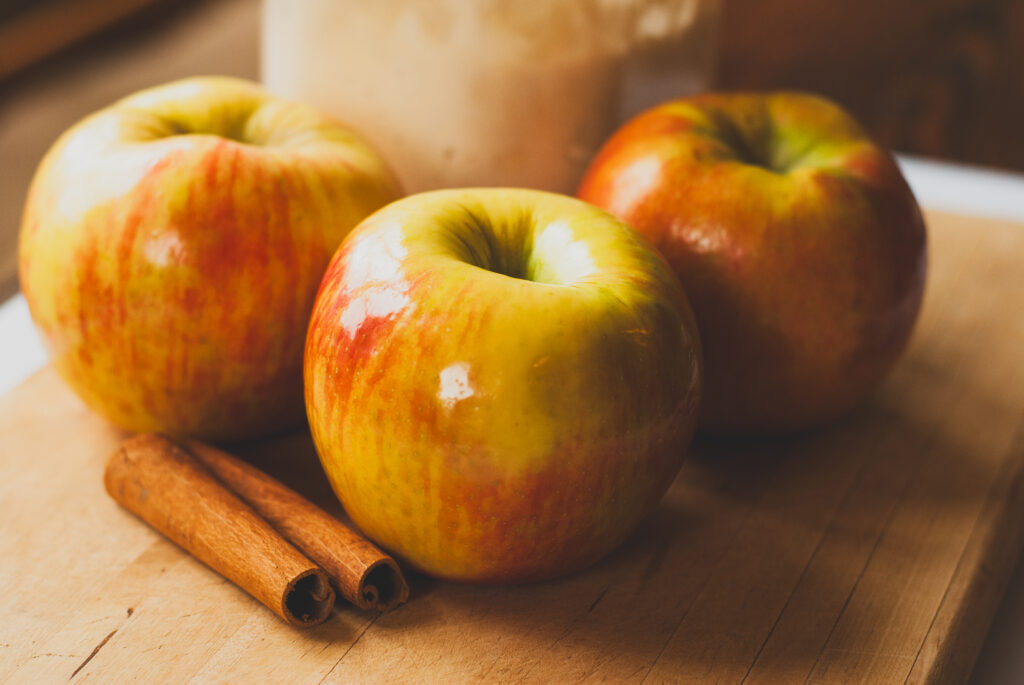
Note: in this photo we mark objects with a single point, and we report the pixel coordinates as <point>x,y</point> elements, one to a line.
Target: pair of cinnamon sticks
<point>266,538</point>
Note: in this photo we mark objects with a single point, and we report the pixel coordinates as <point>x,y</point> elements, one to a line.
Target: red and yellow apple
<point>796,238</point>
<point>172,245</point>
<point>500,383</point>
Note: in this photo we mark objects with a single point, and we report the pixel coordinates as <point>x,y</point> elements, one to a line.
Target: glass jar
<point>461,93</point>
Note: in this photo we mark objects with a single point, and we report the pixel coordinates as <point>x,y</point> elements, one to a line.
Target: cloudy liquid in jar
<point>458,93</point>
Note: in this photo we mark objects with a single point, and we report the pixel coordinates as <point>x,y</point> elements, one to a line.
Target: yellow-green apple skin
<point>172,245</point>
<point>798,241</point>
<point>500,383</point>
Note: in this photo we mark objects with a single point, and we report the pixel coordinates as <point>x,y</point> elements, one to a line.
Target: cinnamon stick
<point>361,572</point>
<point>166,487</point>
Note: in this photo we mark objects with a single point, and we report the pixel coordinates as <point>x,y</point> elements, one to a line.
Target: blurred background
<point>942,78</point>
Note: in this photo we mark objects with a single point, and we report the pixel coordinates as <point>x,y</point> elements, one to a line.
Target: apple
<point>798,242</point>
<point>500,383</point>
<point>171,247</point>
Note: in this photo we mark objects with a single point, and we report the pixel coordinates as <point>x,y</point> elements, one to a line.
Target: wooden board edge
<point>22,386</point>
<point>958,632</point>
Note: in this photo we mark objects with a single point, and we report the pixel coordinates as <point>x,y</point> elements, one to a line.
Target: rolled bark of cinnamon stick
<point>361,572</point>
<point>165,486</point>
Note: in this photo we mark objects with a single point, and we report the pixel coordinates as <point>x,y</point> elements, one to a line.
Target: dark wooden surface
<point>942,78</point>
<point>34,31</point>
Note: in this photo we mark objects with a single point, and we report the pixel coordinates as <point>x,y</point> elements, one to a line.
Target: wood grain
<point>874,550</point>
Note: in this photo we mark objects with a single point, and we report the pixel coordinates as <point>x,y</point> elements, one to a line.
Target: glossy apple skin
<point>796,238</point>
<point>500,383</point>
<point>172,245</point>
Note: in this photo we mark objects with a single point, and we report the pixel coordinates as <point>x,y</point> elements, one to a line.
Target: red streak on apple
<point>797,240</point>
<point>173,274</point>
<point>485,423</point>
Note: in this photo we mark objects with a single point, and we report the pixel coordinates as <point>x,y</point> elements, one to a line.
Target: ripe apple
<point>171,247</point>
<point>500,383</point>
<point>798,242</point>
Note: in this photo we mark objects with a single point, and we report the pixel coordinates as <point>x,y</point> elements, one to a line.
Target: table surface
<point>872,550</point>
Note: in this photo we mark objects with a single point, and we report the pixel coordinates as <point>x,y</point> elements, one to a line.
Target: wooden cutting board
<point>875,550</point>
